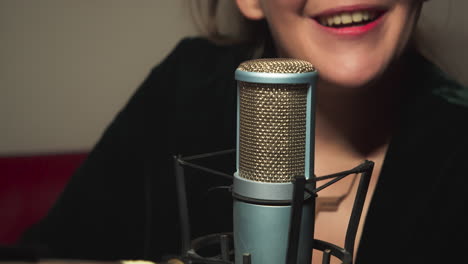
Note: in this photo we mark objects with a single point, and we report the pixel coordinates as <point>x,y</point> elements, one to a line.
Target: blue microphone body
<point>275,143</point>
<point>262,232</point>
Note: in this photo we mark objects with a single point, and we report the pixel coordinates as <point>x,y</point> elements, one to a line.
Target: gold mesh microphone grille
<point>277,65</point>
<point>272,123</point>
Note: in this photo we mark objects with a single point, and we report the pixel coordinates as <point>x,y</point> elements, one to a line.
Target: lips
<point>350,19</point>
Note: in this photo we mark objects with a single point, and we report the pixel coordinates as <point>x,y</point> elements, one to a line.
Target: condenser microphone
<point>275,144</point>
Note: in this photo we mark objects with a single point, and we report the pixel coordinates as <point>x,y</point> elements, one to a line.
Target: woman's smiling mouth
<point>350,20</point>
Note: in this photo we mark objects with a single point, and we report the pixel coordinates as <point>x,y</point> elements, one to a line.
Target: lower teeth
<point>352,24</point>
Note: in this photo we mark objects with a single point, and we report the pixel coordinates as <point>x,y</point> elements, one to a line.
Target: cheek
<point>285,4</point>
<point>277,12</point>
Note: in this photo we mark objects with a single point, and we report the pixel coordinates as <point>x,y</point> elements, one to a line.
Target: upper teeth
<point>347,18</point>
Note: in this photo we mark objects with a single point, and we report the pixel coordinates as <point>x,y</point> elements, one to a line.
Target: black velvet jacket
<point>122,204</point>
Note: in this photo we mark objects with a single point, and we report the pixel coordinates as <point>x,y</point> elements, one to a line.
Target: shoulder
<point>194,65</point>
<point>432,128</point>
<point>202,54</point>
<point>432,78</point>
<point>200,90</point>
<point>201,44</point>
<point>198,66</point>
<point>436,104</point>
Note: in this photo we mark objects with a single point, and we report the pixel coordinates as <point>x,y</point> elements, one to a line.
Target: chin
<point>350,78</point>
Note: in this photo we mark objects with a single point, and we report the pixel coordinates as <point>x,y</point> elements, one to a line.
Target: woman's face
<point>350,42</point>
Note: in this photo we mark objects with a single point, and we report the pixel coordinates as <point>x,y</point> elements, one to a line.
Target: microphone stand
<point>302,188</point>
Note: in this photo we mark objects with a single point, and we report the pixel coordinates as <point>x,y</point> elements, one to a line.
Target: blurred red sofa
<point>29,185</point>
